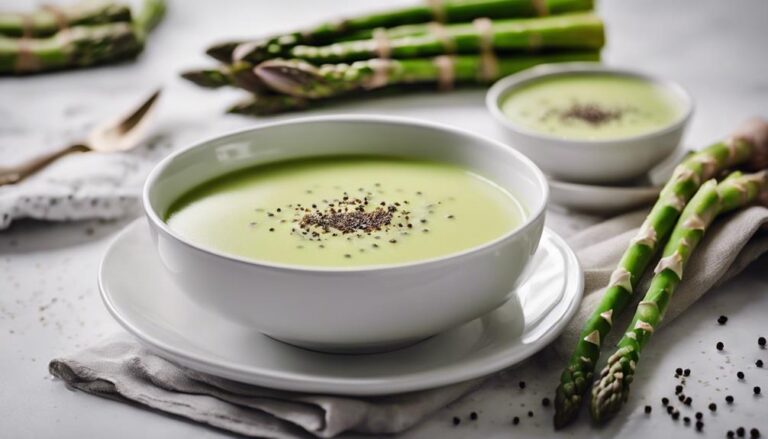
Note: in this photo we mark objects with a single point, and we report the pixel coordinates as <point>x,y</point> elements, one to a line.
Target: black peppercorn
<point>687,420</point>
<point>712,407</point>
<point>761,342</point>
<point>730,434</point>
<point>515,420</point>
<point>675,415</point>
<point>754,433</point>
<point>729,399</point>
<point>473,416</point>
<point>699,425</point>
<point>670,409</point>
<point>699,415</point>
<point>665,400</point>
<point>545,402</point>
<point>530,414</point>
<point>522,384</point>
<point>688,401</point>
<point>722,320</point>
<point>759,363</point>
<point>687,372</point>
<point>681,398</point>
<point>756,389</point>
<point>679,371</point>
<point>719,345</point>
<point>678,389</point>
<point>648,409</point>
<point>456,420</point>
<point>740,375</point>
<point>740,432</point>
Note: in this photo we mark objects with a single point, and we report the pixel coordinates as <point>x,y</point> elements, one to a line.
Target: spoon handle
<point>14,174</point>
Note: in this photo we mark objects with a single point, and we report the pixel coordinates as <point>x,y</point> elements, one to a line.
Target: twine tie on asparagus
<point>380,78</point>
<point>540,6</point>
<point>445,72</point>
<point>383,48</point>
<point>438,10</point>
<point>489,65</point>
<point>439,31</point>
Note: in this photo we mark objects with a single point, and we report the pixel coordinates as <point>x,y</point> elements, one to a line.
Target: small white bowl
<point>348,309</point>
<point>590,161</point>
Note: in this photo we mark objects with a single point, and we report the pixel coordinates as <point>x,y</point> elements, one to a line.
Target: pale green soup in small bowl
<point>590,123</point>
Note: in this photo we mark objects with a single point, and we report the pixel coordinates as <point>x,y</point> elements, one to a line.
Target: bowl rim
<point>531,219</point>
<point>515,80</point>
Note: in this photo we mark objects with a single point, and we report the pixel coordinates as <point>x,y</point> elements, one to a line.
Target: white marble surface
<point>49,304</point>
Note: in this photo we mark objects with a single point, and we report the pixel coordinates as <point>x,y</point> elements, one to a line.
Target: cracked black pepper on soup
<point>345,211</point>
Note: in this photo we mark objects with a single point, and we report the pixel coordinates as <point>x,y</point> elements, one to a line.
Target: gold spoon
<point>119,135</point>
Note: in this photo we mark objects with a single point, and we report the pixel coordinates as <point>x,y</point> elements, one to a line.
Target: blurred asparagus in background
<point>50,19</point>
<point>82,45</point>
<point>337,60</point>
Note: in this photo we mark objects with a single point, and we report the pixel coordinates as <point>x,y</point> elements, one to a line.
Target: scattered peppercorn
<point>699,415</point>
<point>719,345</point>
<point>740,375</point>
<point>687,420</point>
<point>740,431</point>
<point>670,409</point>
<point>759,363</point>
<point>675,415</point>
<point>665,400</point>
<point>271,229</point>
<point>678,389</point>
<point>456,420</point>
<point>754,433</point>
<point>688,401</point>
<point>648,409</point>
<point>699,425</point>
<point>530,414</point>
<point>515,420</point>
<point>687,372</point>
<point>730,433</point>
<point>761,342</point>
<point>545,402</point>
<point>722,320</point>
<point>681,398</point>
<point>756,389</point>
<point>679,371</point>
<point>729,399</point>
<point>473,416</point>
<point>522,384</point>
<point>712,407</point>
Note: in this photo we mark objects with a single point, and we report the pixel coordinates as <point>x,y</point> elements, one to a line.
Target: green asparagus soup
<point>592,106</point>
<point>345,211</point>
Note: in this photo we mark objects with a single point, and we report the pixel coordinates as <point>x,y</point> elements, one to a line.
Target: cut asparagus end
<point>755,131</point>
<point>291,77</point>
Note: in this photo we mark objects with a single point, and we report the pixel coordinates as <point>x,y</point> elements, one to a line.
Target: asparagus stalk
<point>612,388</point>
<point>750,144</point>
<point>80,46</point>
<point>448,11</point>
<point>49,20</point>
<point>301,79</point>
<point>239,74</point>
<point>570,32</point>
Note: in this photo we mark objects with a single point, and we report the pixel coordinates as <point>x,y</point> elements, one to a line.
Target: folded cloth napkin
<point>120,368</point>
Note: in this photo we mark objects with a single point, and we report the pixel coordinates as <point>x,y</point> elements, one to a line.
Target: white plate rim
<point>353,386</point>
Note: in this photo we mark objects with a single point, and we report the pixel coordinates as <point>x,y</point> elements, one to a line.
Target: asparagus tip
<point>222,51</point>
<point>294,77</point>
<point>205,78</point>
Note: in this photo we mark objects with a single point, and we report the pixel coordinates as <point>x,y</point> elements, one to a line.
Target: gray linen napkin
<point>120,368</point>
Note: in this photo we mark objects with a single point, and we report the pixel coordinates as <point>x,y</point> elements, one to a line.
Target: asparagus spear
<point>750,144</point>
<point>49,20</point>
<point>301,79</point>
<point>612,389</point>
<point>448,11</point>
<point>239,74</point>
<point>80,46</point>
<point>571,31</point>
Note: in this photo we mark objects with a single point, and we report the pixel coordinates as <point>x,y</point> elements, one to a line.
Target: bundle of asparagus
<point>680,217</point>
<point>81,35</point>
<point>484,40</point>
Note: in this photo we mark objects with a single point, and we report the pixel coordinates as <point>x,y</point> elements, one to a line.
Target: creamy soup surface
<point>592,106</point>
<point>345,212</point>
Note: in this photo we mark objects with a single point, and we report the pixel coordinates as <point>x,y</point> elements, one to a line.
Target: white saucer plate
<point>601,199</point>
<point>139,294</point>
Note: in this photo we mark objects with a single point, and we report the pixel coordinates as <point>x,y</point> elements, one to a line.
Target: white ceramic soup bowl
<point>590,161</point>
<point>354,309</point>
